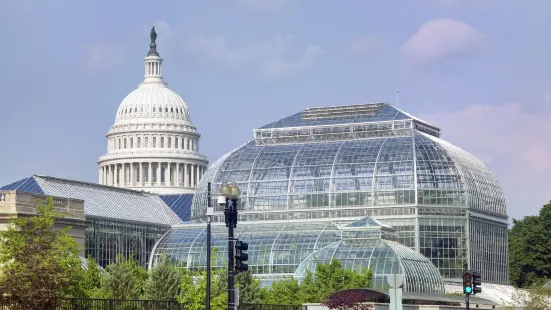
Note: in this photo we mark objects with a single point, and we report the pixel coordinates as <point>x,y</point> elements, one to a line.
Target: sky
<point>478,69</point>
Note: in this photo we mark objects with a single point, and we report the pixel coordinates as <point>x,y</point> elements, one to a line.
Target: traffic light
<point>467,282</point>
<point>241,256</point>
<point>476,283</point>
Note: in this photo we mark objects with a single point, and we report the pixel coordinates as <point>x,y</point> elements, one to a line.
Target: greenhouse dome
<point>371,160</point>
<point>283,249</point>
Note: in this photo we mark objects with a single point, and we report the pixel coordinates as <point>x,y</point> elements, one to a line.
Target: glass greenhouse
<point>372,160</point>
<point>283,249</point>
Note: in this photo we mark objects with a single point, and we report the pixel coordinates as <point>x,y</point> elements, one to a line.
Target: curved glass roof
<point>278,248</point>
<point>384,257</point>
<point>413,169</point>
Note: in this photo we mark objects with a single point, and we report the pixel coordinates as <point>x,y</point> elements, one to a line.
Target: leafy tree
<point>164,281</point>
<point>317,287</point>
<point>249,288</point>
<point>124,280</point>
<point>332,277</point>
<point>284,292</point>
<point>38,260</point>
<point>90,283</point>
<point>530,249</point>
<point>193,290</point>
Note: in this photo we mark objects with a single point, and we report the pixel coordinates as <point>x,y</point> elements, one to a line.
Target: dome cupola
<point>153,144</point>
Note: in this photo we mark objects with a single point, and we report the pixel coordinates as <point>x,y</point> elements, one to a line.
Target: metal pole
<point>208,246</point>
<point>232,223</point>
<point>467,302</point>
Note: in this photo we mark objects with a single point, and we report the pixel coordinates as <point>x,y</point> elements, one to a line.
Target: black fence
<point>268,307</point>
<point>7,303</point>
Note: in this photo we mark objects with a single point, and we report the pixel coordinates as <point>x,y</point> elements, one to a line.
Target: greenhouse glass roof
<point>288,248</point>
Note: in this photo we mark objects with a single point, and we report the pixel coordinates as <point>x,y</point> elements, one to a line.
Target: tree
<point>530,249</point>
<point>124,280</point>
<point>249,288</point>
<point>90,283</point>
<point>284,292</point>
<point>163,282</point>
<point>333,277</point>
<point>38,260</point>
<point>193,290</point>
<point>318,286</point>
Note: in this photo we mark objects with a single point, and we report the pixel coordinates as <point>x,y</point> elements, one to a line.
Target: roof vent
<point>342,111</point>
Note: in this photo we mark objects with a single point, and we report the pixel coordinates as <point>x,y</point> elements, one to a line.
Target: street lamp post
<point>228,199</point>
<point>210,212</point>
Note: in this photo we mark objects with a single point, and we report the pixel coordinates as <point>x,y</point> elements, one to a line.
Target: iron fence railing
<point>8,303</point>
<point>268,307</point>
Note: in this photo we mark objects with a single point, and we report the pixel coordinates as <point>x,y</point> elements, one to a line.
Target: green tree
<point>38,260</point>
<point>164,281</point>
<point>333,277</point>
<point>317,286</point>
<point>249,288</point>
<point>193,290</point>
<point>124,280</point>
<point>284,292</point>
<point>530,249</point>
<point>90,283</point>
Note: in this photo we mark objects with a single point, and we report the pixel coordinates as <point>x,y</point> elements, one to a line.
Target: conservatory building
<point>345,182</point>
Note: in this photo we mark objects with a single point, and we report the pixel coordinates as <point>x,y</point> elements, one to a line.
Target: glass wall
<point>107,239</point>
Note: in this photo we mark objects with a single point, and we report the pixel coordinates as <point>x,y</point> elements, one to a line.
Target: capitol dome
<point>348,162</point>
<point>153,144</point>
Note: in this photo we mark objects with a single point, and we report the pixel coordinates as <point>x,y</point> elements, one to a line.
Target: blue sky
<point>479,69</point>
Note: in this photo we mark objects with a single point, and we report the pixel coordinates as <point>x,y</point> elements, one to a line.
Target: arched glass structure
<point>384,257</point>
<point>348,162</point>
<point>277,249</point>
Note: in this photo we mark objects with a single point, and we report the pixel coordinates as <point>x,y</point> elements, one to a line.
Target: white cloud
<point>363,45</point>
<point>268,55</point>
<point>101,55</point>
<point>512,142</point>
<point>263,5</point>
<point>439,38</point>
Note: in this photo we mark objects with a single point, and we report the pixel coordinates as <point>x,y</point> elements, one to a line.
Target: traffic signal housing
<point>467,282</point>
<point>241,256</point>
<point>476,283</point>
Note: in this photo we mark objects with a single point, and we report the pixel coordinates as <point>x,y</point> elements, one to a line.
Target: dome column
<point>140,177</point>
<point>131,174</point>
<point>178,177</point>
<point>150,174</point>
<point>116,179</point>
<point>192,172</point>
<point>158,173</point>
<point>185,176</point>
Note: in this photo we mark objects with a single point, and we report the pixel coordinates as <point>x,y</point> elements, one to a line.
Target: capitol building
<point>369,184</point>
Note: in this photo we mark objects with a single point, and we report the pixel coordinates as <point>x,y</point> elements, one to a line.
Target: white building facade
<point>153,144</point>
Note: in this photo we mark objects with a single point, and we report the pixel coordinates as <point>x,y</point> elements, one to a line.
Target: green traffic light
<point>468,290</point>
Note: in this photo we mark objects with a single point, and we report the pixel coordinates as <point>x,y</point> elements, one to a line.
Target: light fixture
<point>235,191</point>
<point>225,190</point>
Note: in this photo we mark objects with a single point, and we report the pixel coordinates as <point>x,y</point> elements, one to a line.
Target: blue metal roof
<point>180,204</point>
<point>103,201</point>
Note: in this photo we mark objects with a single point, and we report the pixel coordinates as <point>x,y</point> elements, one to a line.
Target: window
<point>146,142</point>
<point>176,142</point>
<point>162,142</point>
<point>169,143</point>
<point>139,142</point>
<point>154,141</point>
<point>131,143</point>
<point>119,144</point>
<point>166,109</point>
<point>125,143</point>
<point>153,109</point>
